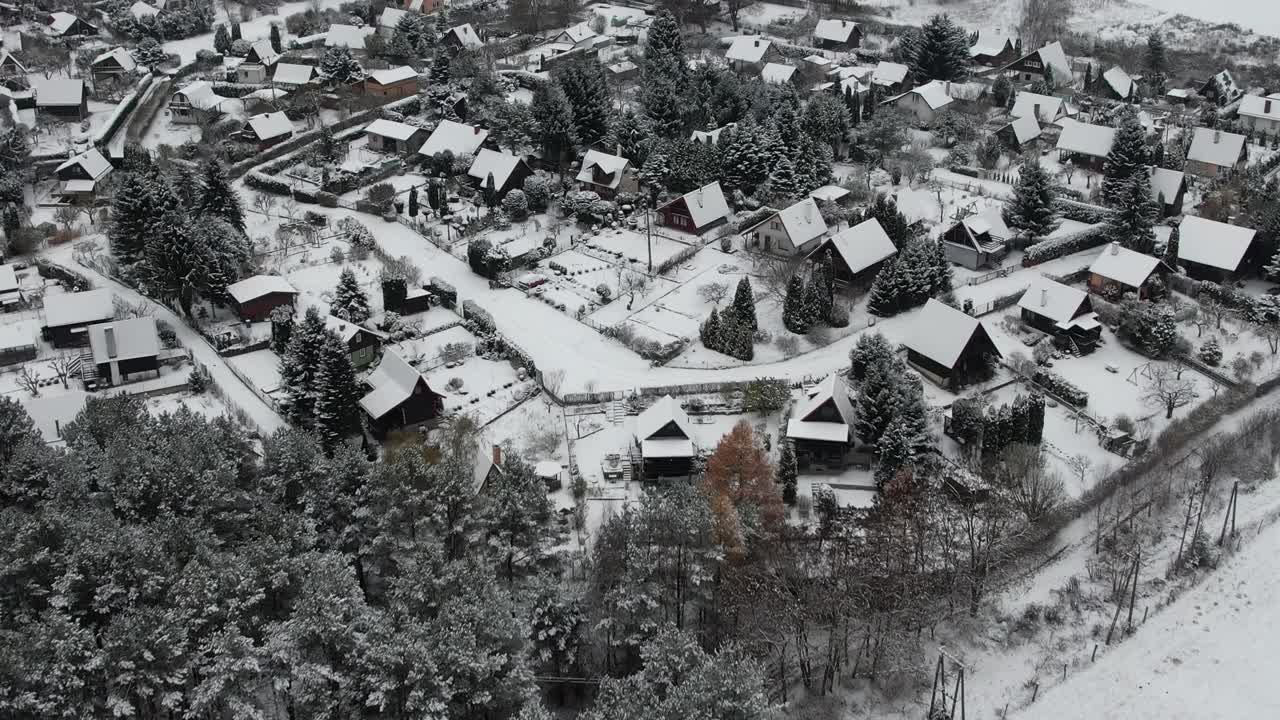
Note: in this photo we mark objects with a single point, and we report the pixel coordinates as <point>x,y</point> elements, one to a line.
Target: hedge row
<point>1080,211</point>
<point>1055,248</point>
<point>1061,387</point>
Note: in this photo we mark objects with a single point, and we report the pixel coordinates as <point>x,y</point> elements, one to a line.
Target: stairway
<point>615,411</point>
<point>82,367</point>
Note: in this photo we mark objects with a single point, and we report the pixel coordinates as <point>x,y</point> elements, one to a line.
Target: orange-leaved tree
<point>745,500</point>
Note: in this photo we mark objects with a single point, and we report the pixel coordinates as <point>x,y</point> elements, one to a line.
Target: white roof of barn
<point>7,57</point>
<point>749,49</point>
<point>61,22</point>
<point>391,17</point>
<point>499,164</point>
<point>391,129</point>
<point>259,286</point>
<point>120,55</point>
<point>8,279</point>
<point>1119,81</point>
<point>610,164</point>
<point>200,94</point>
<point>393,75</point>
<point>835,30</point>
<point>1212,243</point>
<point>863,245</point>
<point>889,73</point>
<point>58,92</point>
<point>348,36</point>
<point>578,33</point>
<point>803,221</point>
<point>1053,300</point>
<point>270,125</point>
<point>135,338</point>
<point>1051,107</point>
<point>657,415</point>
<point>293,73</point>
<point>1086,139</point>
<point>78,308</point>
<point>935,94</point>
<point>817,60</point>
<point>93,162</point>
<point>989,44</point>
<point>1055,57</point>
<point>1166,182</point>
<point>1025,128</point>
<point>1124,265</point>
<point>455,137</point>
<point>21,334</point>
<point>140,10</point>
<point>1215,147</point>
<point>706,205</point>
<point>831,387</point>
<point>777,73</point>
<point>1256,107</point>
<point>467,36</point>
<point>829,193</point>
<point>393,382</point>
<point>941,333</point>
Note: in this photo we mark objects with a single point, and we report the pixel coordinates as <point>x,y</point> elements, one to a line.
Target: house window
<point>774,226</point>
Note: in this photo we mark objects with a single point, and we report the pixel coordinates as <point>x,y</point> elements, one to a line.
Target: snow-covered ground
<point>1258,15</point>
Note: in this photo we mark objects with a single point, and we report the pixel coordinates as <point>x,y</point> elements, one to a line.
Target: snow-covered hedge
<point>1054,248</point>
<point>1062,387</point>
<point>1080,211</point>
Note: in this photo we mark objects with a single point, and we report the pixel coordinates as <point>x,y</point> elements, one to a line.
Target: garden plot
<point>429,352</point>
<point>1018,277</point>
<point>633,245</point>
<point>315,283</point>
<point>261,369</point>
<point>1246,355</point>
<point>480,388</point>
<point>206,404</point>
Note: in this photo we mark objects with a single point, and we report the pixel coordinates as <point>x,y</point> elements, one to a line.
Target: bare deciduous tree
<point>264,202</point>
<point>713,292</point>
<point>1041,21</point>
<point>631,283</point>
<point>1165,390</point>
<point>29,381</point>
<point>61,366</point>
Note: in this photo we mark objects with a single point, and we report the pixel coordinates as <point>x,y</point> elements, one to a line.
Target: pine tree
<point>894,451</point>
<point>816,310</point>
<point>350,301</point>
<point>141,200</point>
<point>336,394</point>
<point>413,202</point>
<point>1001,92</point>
<point>788,473</point>
<point>942,52</point>
<point>221,40</point>
<point>274,37</point>
<point>587,89</point>
<point>883,299</point>
<point>746,164</point>
<point>793,306</point>
<point>1132,216</point>
<point>1156,63</point>
<point>744,305</point>
<point>877,402</point>
<point>709,333</point>
<point>872,349</point>
<point>1170,256</point>
<point>300,366</point>
<point>782,181</point>
<point>556,130</point>
<point>217,198</point>
<point>1128,156</point>
<point>340,66</point>
<point>1031,208</point>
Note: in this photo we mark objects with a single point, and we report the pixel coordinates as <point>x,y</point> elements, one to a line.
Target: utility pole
<point>648,232</point>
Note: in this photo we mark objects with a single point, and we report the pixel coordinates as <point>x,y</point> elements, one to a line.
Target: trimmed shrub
<point>1062,387</point>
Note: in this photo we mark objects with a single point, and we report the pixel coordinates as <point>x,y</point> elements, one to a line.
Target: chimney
<point>497,454</point>
<point>109,336</point>
<point>1217,136</point>
<point>1036,111</point>
<point>1115,248</point>
<point>808,212</point>
<point>1044,297</point>
<point>1266,106</point>
<point>699,200</point>
<point>757,42</point>
<point>57,429</point>
<point>476,130</point>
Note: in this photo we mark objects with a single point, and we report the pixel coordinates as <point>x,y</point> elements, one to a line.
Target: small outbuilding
<point>1048,109</point>
<point>696,211</point>
<point>795,230</point>
<point>1085,144</point>
<point>1216,154</point>
<point>508,171</point>
<point>255,297</point>
<point>68,316</point>
<point>1260,114</point>
<point>1119,270</point>
<point>64,24</point>
<point>837,34</point>
<point>81,177</point>
<point>1064,313</point>
<point>992,50</point>
<point>1211,250</point>
<point>456,137</point>
<point>399,397</point>
<point>606,174</point>
<point>1019,132</point>
<point>291,76</point>
<point>111,65</point>
<point>18,342</point>
<point>362,343</point>
<point>1116,84</point>
<point>978,241</point>
<point>750,53</point>
<point>857,252</point>
<point>821,429</point>
<point>258,63</point>
<point>951,348</point>
<point>1049,63</point>
<point>390,136</point>
<point>665,440</point>
<point>1168,188</point>
<point>268,129</point>
<point>194,102</point>
<point>62,97</point>
<point>396,82</point>
<point>463,37</point>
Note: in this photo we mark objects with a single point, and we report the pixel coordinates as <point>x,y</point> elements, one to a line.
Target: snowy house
<point>778,73</point>
<point>1118,270</point>
<point>797,229</point>
<point>857,252</point>
<point>255,297</point>
<point>10,67</point>
<point>62,24</point>
<point>925,102</point>
<point>623,70</point>
<point>711,137</point>
<point>978,241</point>
<point>577,36</point>
<point>1260,114</point>
<point>696,211</point>
<point>291,76</point>
<point>1047,108</point>
<point>508,171</point>
<point>454,137</point>
<point>347,36</point>
<point>1019,132</point>
<point>1049,63</point>
<point>111,65</point>
<point>462,37</point>
<point>1065,313</point>
<point>258,63</point>
<point>18,342</point>
<point>949,347</point>
<point>10,292</point>
<point>665,439</point>
<point>362,343</point>
<point>81,175</point>
<point>394,137</point>
<point>1085,144</point>
<point>51,414</point>
<point>1215,154</point>
<point>1116,84</point>
<point>1211,250</point>
<point>396,82</point>
<point>830,193</point>
<point>1221,88</point>
<point>749,54</point>
<point>398,397</point>
<point>840,35</point>
<point>606,174</point>
<point>67,317</point>
<point>821,428</point>
<point>487,466</point>
<point>890,76</point>
<point>992,49</point>
<point>550,473</point>
<point>1168,187</point>
<point>63,97</point>
<point>426,7</point>
<point>125,350</point>
<point>140,10</point>
<point>389,20</point>
<point>268,129</point>
<point>194,102</point>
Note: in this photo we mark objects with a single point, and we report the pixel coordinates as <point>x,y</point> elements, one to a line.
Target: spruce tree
<point>221,40</point>
<point>877,402</point>
<point>744,345</point>
<point>340,66</point>
<point>816,310</point>
<point>884,297</point>
<point>942,51</point>
<point>909,408</point>
<point>1132,216</point>
<point>941,269</point>
<point>413,202</point>
<point>664,40</point>
<point>872,349</point>
<point>1035,419</point>
<point>587,90</point>
<point>744,304</point>
<point>823,283</point>
<point>556,130</point>
<point>217,198</point>
<point>1170,256</point>
<point>1128,156</point>
<point>788,473</point>
<point>350,301</point>
<point>745,163</point>
<point>300,366</point>
<point>709,333</point>
<point>894,452</point>
<point>142,200</point>
<point>336,394</point>
<point>782,181</point>
<point>793,306</point>
<point>274,37</point>
<point>1270,272</point>
<point>440,72</point>
<point>1031,208</point>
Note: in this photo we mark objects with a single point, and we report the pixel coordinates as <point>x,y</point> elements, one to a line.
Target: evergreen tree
<point>350,301</point>
<point>440,71</point>
<point>337,396</point>
<point>1271,271</point>
<point>281,329</point>
<point>910,409</point>
<point>744,305</point>
<point>941,280</point>
<point>787,473</point>
<point>141,199</point>
<point>824,282</point>
<point>871,349</point>
<point>826,119</point>
<point>587,89</point>
<point>746,164</point>
<point>1035,419</point>
<point>413,202</point>
<point>813,301</point>
<point>664,40</point>
<point>556,130</point>
<point>300,367</point>
<point>727,334</point>
<point>1156,64</point>
<point>1170,256</point>
<point>942,52</point>
<point>894,451</point>
<point>340,66</point>
<point>883,299</point>
<point>221,40</point>
<point>274,37</point>
<point>782,181</point>
<point>744,345</point>
<point>1132,216</point>
<point>885,211</point>
<point>1002,92</point>
<point>1128,156</point>
<point>877,401</point>
<point>709,333</point>
<point>794,313</point>
<point>1031,208</point>
<point>217,198</point>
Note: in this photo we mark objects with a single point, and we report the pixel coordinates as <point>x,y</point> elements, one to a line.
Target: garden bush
<point>1062,387</point>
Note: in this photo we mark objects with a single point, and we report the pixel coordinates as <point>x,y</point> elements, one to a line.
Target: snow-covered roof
<point>889,73</point>
<point>79,186</point>
<point>7,58</point>
<point>61,22</point>
<point>817,60</point>
<point>990,44</point>
<point>658,415</point>
<point>748,49</point>
<point>1124,265</point>
<point>95,164</point>
<point>706,205</point>
<point>259,286</point>
<point>79,308</point>
<point>20,334</point>
<point>934,93</point>
<point>1224,82</point>
<point>393,382</point>
<point>831,388</point>
<point>466,36</point>
<point>829,193</point>
<point>1119,81</point>
<point>263,51</point>
<point>293,73</point>
<point>455,137</point>
<point>134,338</point>
<point>1211,243</point>
<point>52,413</point>
<point>777,73</point>
<point>393,75</point>
<point>711,136</point>
<point>200,95</point>
<point>141,9</point>
<point>835,30</point>
<point>120,55</point>
<point>577,33</point>
<point>270,125</point>
<point>58,92</point>
<point>863,245</point>
<point>666,448</point>
<point>547,469</point>
<point>1086,139</point>
<point>1051,107</point>
<point>1025,128</point>
<point>821,431</point>
<point>611,165</point>
<point>346,330</point>
<point>391,129</point>
<point>499,164</point>
<point>1053,56</point>
<point>1166,182</point>
<point>8,279</point>
<point>1053,300</point>
<point>1265,108</point>
<point>941,333</point>
<point>348,36</point>
<point>391,17</point>
<point>1214,147</point>
<point>802,221</point>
